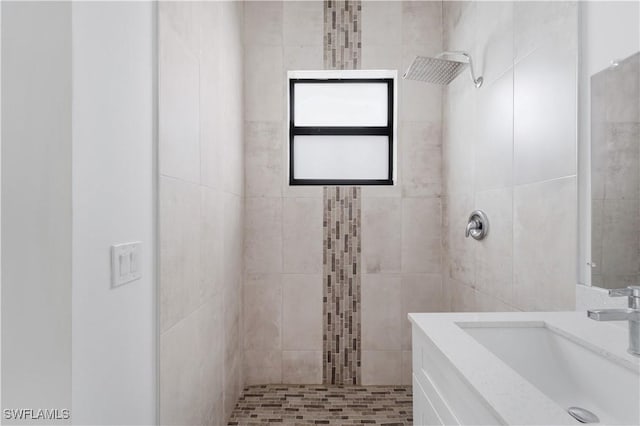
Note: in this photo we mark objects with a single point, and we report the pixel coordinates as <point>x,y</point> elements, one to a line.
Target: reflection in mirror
<point>615,174</point>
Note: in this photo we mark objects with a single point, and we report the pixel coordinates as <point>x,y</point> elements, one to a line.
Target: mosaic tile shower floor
<point>320,404</point>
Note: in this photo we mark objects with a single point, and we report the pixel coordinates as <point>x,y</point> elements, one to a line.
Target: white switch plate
<point>125,263</point>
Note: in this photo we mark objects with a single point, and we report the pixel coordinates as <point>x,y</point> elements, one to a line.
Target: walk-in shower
<point>439,70</point>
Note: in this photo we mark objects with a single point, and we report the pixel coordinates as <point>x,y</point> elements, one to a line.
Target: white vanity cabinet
<point>440,394</point>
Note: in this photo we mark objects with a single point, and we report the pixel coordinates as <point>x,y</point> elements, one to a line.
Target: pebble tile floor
<point>319,404</point>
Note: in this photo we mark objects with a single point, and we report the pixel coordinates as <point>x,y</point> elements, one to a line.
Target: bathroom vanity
<point>521,368</point>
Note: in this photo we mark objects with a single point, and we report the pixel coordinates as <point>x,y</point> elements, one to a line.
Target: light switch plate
<point>125,263</point>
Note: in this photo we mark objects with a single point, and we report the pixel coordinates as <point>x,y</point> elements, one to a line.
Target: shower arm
<point>477,81</point>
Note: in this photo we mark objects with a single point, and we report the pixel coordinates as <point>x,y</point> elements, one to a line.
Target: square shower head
<point>434,70</point>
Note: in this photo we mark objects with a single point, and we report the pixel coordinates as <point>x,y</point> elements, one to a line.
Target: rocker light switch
<point>125,259</point>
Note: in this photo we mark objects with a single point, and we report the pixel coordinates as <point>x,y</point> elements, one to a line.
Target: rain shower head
<point>439,70</point>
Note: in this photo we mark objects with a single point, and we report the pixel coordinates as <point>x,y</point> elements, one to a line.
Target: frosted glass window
<point>341,131</point>
<point>340,104</point>
<point>341,157</point>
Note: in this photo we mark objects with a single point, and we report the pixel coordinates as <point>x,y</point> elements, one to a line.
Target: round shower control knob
<point>477,225</point>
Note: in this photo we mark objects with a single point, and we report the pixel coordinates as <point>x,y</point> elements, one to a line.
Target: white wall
<point>114,343</point>
<point>78,154</point>
<point>36,205</point>
<point>608,31</point>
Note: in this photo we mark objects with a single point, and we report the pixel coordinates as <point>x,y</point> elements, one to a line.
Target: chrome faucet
<point>631,314</point>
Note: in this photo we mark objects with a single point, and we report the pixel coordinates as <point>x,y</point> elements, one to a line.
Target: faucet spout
<point>630,314</point>
<point>612,314</point>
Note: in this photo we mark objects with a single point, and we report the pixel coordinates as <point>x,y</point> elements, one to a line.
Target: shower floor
<point>319,404</point>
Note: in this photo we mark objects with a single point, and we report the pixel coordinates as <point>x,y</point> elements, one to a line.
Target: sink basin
<point>564,368</point>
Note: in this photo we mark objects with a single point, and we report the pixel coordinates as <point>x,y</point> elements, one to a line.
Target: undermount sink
<point>564,368</point>
<point>522,368</point>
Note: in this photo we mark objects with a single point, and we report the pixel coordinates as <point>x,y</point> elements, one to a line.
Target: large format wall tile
<point>421,153</point>
<point>494,39</point>
<point>545,115</point>
<point>407,368</point>
<point>263,22</point>
<point>381,306</point>
<point>460,134</point>
<point>302,23</point>
<point>264,83</point>
<point>181,289</point>
<point>460,25</point>
<point>421,25</point>
<point>303,57</point>
<point>262,367</point>
<point>263,312</point>
<point>210,113</point>
<point>302,367</point>
<point>302,217</point>
<point>383,14</point>
<point>494,254</point>
<point>212,209</point>
<point>232,130</point>
<point>544,244</point>
<point>302,312</point>
<point>494,141</point>
<point>420,293</point>
<point>194,395</point>
<point>381,367</point>
<point>263,159</point>
<point>232,263</point>
<point>419,101</point>
<point>381,241</point>
<point>179,127</point>
<point>383,57</point>
<point>421,235</point>
<point>263,235</point>
<point>537,23</point>
<point>460,256</point>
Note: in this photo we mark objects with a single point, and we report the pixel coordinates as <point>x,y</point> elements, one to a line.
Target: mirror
<point>615,174</point>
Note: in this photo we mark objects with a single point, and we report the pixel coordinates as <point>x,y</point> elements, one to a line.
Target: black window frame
<point>342,131</point>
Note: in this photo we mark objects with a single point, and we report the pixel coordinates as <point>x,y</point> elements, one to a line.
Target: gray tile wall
<point>510,150</point>
<point>401,225</point>
<point>201,210</point>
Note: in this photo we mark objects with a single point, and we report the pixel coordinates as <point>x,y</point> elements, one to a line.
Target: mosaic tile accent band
<point>342,34</point>
<point>341,276</point>
<point>341,245</point>
<point>329,405</point>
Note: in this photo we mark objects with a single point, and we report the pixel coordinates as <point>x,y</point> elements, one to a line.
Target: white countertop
<point>507,393</point>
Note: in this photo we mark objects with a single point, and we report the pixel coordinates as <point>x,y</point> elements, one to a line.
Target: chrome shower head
<point>439,70</point>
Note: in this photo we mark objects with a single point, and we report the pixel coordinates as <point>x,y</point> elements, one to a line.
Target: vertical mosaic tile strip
<point>341,246</point>
<point>342,34</point>
<point>341,300</point>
